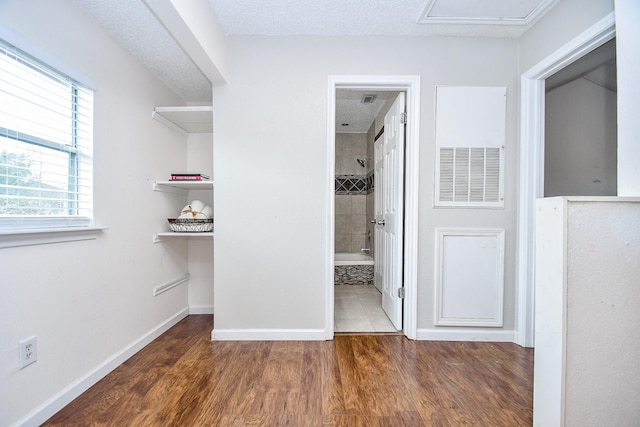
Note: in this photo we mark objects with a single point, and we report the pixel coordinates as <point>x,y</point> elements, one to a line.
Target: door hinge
<point>403,118</point>
<point>401,293</point>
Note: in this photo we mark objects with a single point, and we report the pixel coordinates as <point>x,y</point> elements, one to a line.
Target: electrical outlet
<point>28,351</point>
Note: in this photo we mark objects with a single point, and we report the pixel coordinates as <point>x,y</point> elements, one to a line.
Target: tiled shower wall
<point>371,196</point>
<point>353,210</point>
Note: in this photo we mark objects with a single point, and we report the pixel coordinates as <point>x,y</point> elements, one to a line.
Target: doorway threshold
<point>338,334</point>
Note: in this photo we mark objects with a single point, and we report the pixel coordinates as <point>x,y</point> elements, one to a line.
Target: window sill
<point>15,238</point>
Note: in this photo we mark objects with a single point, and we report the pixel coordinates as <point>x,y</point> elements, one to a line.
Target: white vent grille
<point>469,176</point>
<point>470,141</point>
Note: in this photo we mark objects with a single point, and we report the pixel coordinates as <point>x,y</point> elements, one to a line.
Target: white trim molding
<point>532,97</point>
<point>31,237</point>
<point>528,19</point>
<point>200,309</point>
<point>410,85</point>
<point>268,335</point>
<point>459,334</point>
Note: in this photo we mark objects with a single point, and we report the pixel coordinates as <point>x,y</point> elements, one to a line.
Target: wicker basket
<point>185,225</point>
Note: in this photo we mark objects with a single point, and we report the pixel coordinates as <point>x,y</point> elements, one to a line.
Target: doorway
<point>407,269</point>
<point>369,163</point>
<point>580,144</point>
<point>532,161</point>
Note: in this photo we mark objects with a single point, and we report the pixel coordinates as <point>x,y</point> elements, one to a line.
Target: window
<point>46,131</point>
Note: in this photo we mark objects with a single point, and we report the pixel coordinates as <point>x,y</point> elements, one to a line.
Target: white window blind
<point>46,158</point>
<point>470,137</point>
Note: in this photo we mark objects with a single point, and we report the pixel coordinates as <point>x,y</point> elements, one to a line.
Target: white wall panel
<point>587,312</point>
<point>469,277</point>
<point>470,116</point>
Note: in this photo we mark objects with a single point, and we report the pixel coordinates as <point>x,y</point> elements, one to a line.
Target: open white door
<point>378,167</point>
<point>389,184</point>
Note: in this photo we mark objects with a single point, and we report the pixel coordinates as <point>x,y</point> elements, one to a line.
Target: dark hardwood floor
<point>185,379</point>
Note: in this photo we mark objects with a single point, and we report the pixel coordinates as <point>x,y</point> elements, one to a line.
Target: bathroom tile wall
<point>371,195</point>
<point>350,222</point>
<point>351,209</point>
<point>349,148</point>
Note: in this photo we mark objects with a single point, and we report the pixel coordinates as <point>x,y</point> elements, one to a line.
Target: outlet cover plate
<point>28,351</point>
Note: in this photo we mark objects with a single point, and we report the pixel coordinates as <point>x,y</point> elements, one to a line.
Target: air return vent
<point>470,140</point>
<point>469,175</point>
<point>368,99</point>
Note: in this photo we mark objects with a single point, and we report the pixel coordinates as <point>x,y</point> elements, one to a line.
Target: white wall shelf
<point>162,236</point>
<point>186,119</point>
<point>181,187</point>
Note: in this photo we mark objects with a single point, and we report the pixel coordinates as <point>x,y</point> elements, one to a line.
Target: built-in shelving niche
<point>186,119</point>
<point>183,188</point>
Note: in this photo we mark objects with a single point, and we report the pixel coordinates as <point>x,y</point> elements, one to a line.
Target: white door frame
<point>532,109</point>
<point>410,85</point>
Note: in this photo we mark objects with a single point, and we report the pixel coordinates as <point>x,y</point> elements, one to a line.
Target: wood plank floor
<point>185,379</point>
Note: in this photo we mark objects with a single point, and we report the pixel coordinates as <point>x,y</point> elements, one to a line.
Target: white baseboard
<point>201,309</point>
<point>268,335</point>
<point>448,334</point>
<point>49,408</point>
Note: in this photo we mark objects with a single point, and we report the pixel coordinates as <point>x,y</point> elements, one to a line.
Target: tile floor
<point>358,308</point>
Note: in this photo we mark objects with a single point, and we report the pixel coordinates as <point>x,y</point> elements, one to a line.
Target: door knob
<point>381,222</point>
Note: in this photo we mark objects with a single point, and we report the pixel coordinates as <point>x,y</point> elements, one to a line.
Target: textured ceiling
<point>485,18</point>
<point>353,116</point>
<point>133,25</point>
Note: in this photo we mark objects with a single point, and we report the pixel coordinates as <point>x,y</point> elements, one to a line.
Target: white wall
<point>200,160</point>
<point>580,140</point>
<point>563,22</point>
<point>89,301</point>
<point>271,119</point>
<point>199,33</point>
<point>588,311</point>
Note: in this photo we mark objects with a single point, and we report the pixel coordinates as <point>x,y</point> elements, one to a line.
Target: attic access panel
<point>493,12</point>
